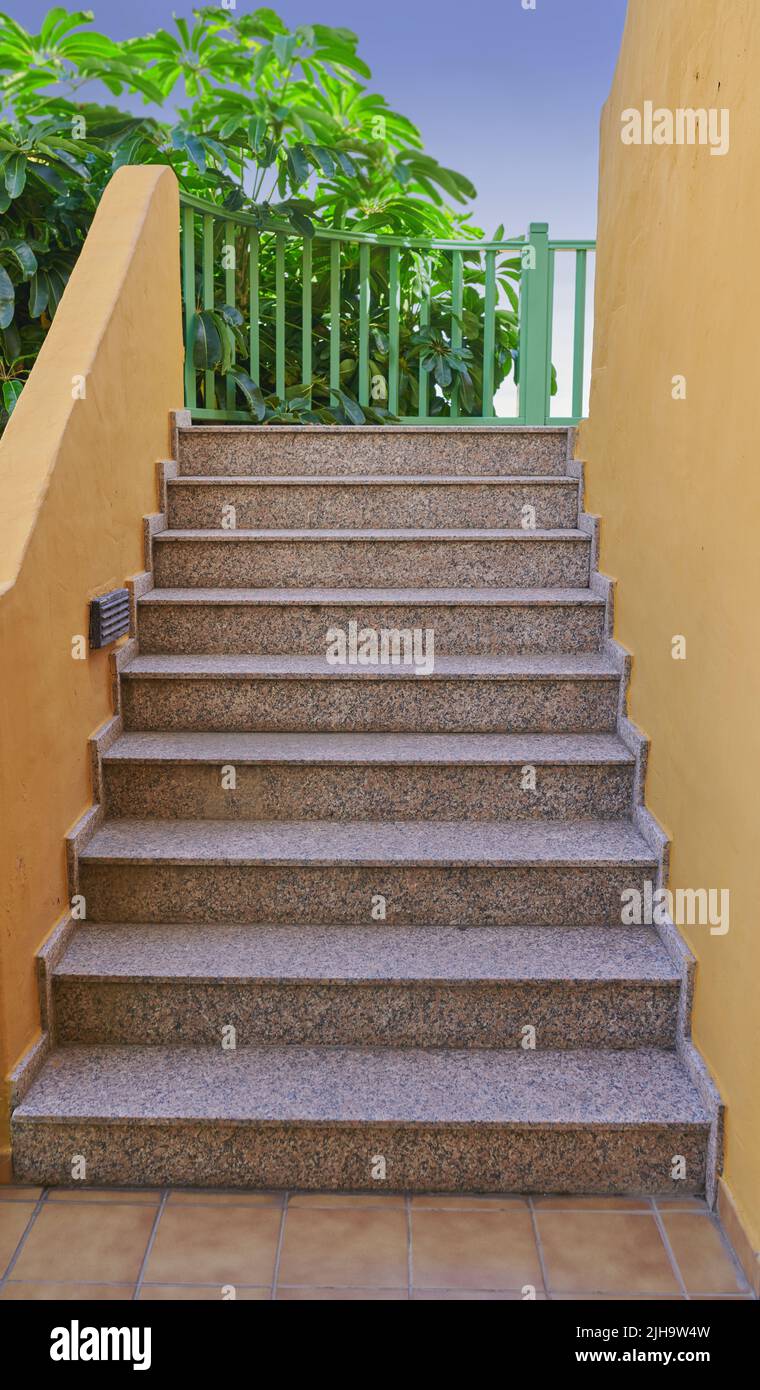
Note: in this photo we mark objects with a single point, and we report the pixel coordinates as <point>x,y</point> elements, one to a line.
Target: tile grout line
<point>278,1250</point>
<point>669,1249</point>
<point>151,1239</point>
<point>539,1247</point>
<point>40,1202</point>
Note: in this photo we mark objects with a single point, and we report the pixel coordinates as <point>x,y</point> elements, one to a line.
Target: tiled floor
<point>209,1245</point>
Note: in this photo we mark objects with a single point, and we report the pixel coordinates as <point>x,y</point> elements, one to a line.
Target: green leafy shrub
<point>278,123</point>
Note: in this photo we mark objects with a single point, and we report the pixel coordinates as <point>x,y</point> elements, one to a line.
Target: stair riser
<point>343,705</point>
<point>418,1158</point>
<point>299,629</point>
<point>543,895</point>
<point>408,1014</point>
<point>279,452</point>
<point>232,562</point>
<point>367,792</point>
<point>202,506</point>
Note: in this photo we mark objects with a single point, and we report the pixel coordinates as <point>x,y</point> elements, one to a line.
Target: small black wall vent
<point>109,617</point>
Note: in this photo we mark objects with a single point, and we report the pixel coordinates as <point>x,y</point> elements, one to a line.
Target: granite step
<point>367,986</point>
<point>543,873</point>
<point>372,501</point>
<point>251,451</point>
<point>336,1118</point>
<point>313,776</point>
<point>454,557</point>
<point>570,693</point>
<point>481,622</point>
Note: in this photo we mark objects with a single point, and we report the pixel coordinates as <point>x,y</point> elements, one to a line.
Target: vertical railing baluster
<point>229,294</point>
<point>457,286</point>
<point>364,324</point>
<point>489,333</point>
<point>393,329</point>
<point>209,399</point>
<point>253,307</point>
<point>188,290</point>
<point>334,319</point>
<point>279,280</point>
<point>579,333</point>
<point>306,273</point>
<point>423,377</point>
<point>549,337</point>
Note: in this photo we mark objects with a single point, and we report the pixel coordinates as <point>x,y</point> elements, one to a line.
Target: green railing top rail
<point>337,314</point>
<point>247,219</point>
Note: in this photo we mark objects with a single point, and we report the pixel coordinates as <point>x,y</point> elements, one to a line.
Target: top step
<point>340,450</point>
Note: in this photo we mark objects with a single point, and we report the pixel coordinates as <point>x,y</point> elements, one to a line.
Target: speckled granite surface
<point>594,1121</point>
<point>360,1038</point>
<point>362,986</point>
<point>539,694</point>
<point>347,1085</point>
<point>496,843</point>
<point>504,896</point>
<point>237,559</point>
<point>389,449</point>
<point>368,777</point>
<point>368,502</point>
<point>286,621</point>
<point>377,952</point>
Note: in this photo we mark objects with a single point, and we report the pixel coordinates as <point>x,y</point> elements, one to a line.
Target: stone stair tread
<point>369,533</point>
<point>369,480</point>
<point>538,665</point>
<point>371,954</point>
<point>358,597</point>
<point>417,1086</point>
<point>377,748</point>
<point>484,843</point>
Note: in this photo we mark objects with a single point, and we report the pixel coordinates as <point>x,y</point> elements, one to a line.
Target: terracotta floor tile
<point>474,1250</point>
<point>333,1200</point>
<point>76,1293</point>
<point>361,1247</point>
<point>570,1203</point>
<point>73,1241</point>
<point>454,1202</point>
<point>13,1192</point>
<point>704,1262</point>
<point>13,1222</point>
<point>322,1295</point>
<point>473,1295</point>
<point>193,1197</point>
<point>214,1245</point>
<point>207,1293</point>
<point>140,1195</point>
<point>604,1252</point>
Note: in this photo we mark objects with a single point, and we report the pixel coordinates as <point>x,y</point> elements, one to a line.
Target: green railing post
<point>535,337</point>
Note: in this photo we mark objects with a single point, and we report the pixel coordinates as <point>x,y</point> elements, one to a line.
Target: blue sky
<point>511,97</point>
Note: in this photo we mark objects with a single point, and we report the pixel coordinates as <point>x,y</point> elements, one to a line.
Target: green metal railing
<point>227,259</point>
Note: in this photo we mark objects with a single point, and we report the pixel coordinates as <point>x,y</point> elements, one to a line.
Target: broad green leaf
<point>23,255</point>
<point>38,296</point>
<point>11,392</point>
<point>7,298</point>
<point>206,343</point>
<point>15,175</point>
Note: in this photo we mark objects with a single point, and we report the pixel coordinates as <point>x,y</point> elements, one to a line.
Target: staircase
<point>382,887</point>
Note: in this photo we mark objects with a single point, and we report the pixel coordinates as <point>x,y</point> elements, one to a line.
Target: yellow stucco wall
<point>677,484</point>
<point>76,479</point>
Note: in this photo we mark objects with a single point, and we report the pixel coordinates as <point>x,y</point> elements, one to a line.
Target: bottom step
<point>336,1118</point>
